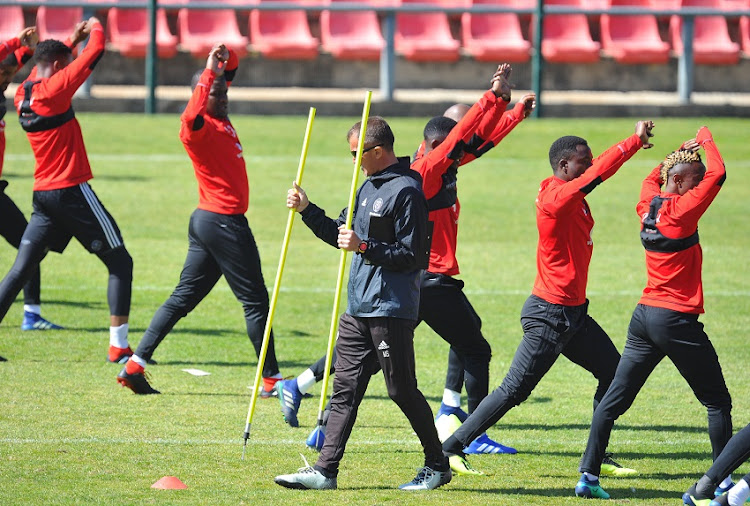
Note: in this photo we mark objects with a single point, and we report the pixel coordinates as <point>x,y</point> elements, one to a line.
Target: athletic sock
<point>270,381</point>
<point>133,367</point>
<point>305,381</point>
<point>590,477</point>
<point>739,493</point>
<point>32,308</point>
<point>118,336</point>
<point>727,482</point>
<point>452,398</point>
<point>138,360</point>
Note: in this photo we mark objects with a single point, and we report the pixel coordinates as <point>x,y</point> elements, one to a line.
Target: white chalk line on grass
<point>529,442</point>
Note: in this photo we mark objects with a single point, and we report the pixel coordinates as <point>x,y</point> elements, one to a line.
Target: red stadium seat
<point>494,37</point>
<point>351,35</point>
<point>57,22</point>
<point>11,21</point>
<point>201,29</point>
<point>566,37</point>
<point>128,32</point>
<point>633,39</point>
<point>711,42</point>
<point>282,34</point>
<point>425,36</point>
<point>745,34</point>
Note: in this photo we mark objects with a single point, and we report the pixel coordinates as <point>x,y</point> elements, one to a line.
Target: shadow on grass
<point>618,427</point>
<point>617,493</point>
<point>623,457</point>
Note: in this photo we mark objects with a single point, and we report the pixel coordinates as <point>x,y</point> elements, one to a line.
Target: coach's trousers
<point>364,346</point>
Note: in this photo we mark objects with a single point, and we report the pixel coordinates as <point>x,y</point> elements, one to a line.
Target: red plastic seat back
<point>57,22</point>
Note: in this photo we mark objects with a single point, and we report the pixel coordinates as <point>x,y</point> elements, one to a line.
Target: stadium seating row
<point>419,36</point>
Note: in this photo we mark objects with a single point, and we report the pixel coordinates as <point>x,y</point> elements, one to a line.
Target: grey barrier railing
<point>388,13</point>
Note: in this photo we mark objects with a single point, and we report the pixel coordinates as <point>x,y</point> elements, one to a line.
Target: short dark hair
<point>50,50</point>
<point>564,147</point>
<point>438,128</point>
<point>378,132</point>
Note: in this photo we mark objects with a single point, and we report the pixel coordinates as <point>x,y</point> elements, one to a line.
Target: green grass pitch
<point>70,434</point>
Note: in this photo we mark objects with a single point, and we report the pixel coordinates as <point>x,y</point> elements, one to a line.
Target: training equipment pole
<point>342,265</point>
<point>277,284</point>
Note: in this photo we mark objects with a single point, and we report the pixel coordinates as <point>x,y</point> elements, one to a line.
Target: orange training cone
<point>169,483</point>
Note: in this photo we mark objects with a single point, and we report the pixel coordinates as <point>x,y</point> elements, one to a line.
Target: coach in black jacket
<point>390,238</point>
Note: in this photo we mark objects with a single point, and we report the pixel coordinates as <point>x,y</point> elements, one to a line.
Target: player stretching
<point>64,204</point>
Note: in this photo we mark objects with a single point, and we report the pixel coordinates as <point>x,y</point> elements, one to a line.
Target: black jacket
<point>384,281</point>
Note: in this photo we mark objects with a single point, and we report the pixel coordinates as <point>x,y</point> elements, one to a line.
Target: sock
<point>118,336</point>
<point>133,367</point>
<point>270,381</point>
<point>305,381</point>
<point>32,308</point>
<point>727,482</point>
<point>590,477</point>
<point>451,398</point>
<point>138,360</point>
<point>739,493</point>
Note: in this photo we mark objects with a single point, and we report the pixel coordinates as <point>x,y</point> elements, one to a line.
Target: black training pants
<point>12,225</point>
<point>445,308</point>
<point>549,330</point>
<point>654,333</point>
<point>58,216</point>
<point>219,245</point>
<point>364,346</point>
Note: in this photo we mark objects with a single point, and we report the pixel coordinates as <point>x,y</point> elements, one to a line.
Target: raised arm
<point>509,120</point>
<point>602,168</point>
<point>192,117</point>
<point>696,201</point>
<point>489,108</point>
<point>67,81</point>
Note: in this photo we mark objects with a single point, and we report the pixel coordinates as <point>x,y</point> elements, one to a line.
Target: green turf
<point>70,434</point>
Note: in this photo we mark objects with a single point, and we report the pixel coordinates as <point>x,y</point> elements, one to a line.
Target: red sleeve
<point>508,122</point>
<point>651,187</point>
<point>232,63</point>
<point>433,165</point>
<point>23,54</point>
<point>695,202</point>
<point>9,46</point>
<point>603,167</point>
<point>66,82</point>
<point>196,107</point>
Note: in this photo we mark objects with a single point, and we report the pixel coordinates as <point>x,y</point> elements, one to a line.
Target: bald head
<point>456,112</point>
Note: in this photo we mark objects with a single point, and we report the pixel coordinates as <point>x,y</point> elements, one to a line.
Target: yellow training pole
<point>277,284</point>
<point>342,264</point>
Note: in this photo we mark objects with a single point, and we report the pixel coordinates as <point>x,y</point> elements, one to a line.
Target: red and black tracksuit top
<point>484,126</point>
<point>21,55</point>
<point>564,223</point>
<point>46,114</point>
<point>215,150</point>
<point>669,233</point>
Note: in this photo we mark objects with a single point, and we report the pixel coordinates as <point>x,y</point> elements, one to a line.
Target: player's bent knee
<point>119,263</point>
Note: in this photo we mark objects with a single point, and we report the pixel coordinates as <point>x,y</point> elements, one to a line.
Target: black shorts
<point>70,212</point>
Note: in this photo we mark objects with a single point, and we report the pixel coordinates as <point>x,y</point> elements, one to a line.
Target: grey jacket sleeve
<point>322,226</point>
